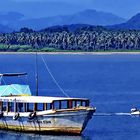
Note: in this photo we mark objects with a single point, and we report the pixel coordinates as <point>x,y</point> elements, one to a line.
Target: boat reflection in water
<point>5,135</point>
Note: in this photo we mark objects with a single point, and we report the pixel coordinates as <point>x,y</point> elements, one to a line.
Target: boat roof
<point>37,99</point>
<point>15,90</point>
<point>12,74</point>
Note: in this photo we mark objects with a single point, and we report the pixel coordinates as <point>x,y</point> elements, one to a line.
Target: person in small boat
<point>134,109</point>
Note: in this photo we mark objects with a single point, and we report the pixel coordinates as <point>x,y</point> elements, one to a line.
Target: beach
<point>75,53</point>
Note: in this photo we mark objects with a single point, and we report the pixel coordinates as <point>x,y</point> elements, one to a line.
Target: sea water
<point>111,82</point>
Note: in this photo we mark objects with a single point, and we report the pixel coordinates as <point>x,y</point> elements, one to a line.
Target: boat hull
<point>135,113</point>
<point>59,122</point>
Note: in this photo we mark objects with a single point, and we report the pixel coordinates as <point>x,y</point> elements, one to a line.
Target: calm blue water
<point>112,82</point>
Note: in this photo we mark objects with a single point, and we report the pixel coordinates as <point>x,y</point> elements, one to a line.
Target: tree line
<point>81,39</point>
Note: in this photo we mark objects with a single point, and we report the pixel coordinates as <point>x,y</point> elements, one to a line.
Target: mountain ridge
<point>73,21</point>
<point>89,16</point>
<point>132,23</point>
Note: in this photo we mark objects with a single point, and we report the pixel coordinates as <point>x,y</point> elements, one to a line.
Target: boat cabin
<point>40,103</point>
<point>17,98</point>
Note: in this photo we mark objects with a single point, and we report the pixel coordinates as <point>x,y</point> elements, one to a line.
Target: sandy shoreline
<point>74,53</point>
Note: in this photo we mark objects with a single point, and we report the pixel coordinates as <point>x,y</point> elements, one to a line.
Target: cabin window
<point>51,105</point>
<point>20,107</point>
<point>64,105</point>
<point>56,105</point>
<point>30,107</point>
<point>40,107</point>
<point>77,103</point>
<point>69,104</point>
<point>48,106</point>
<point>11,106</point>
<point>83,103</point>
<point>87,103</point>
<point>4,106</point>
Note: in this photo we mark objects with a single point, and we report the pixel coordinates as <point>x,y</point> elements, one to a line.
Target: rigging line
<point>36,72</point>
<point>4,81</point>
<point>49,71</point>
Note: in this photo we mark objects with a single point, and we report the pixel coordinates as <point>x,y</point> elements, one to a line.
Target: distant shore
<point>75,53</point>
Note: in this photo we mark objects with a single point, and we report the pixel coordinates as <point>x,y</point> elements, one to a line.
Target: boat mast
<point>36,69</point>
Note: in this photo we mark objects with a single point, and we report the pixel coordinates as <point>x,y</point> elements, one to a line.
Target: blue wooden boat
<point>45,114</point>
<point>22,112</point>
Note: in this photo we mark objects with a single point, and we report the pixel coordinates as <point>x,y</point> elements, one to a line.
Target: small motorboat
<point>135,111</point>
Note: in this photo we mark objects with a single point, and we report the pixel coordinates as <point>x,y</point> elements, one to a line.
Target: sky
<point>46,8</point>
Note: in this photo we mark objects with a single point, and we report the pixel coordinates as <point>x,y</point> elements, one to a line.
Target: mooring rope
<point>54,80</point>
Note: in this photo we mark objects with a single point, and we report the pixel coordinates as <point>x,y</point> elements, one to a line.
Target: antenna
<point>36,68</point>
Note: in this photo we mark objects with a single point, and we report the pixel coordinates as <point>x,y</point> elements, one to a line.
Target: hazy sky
<point>41,8</point>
